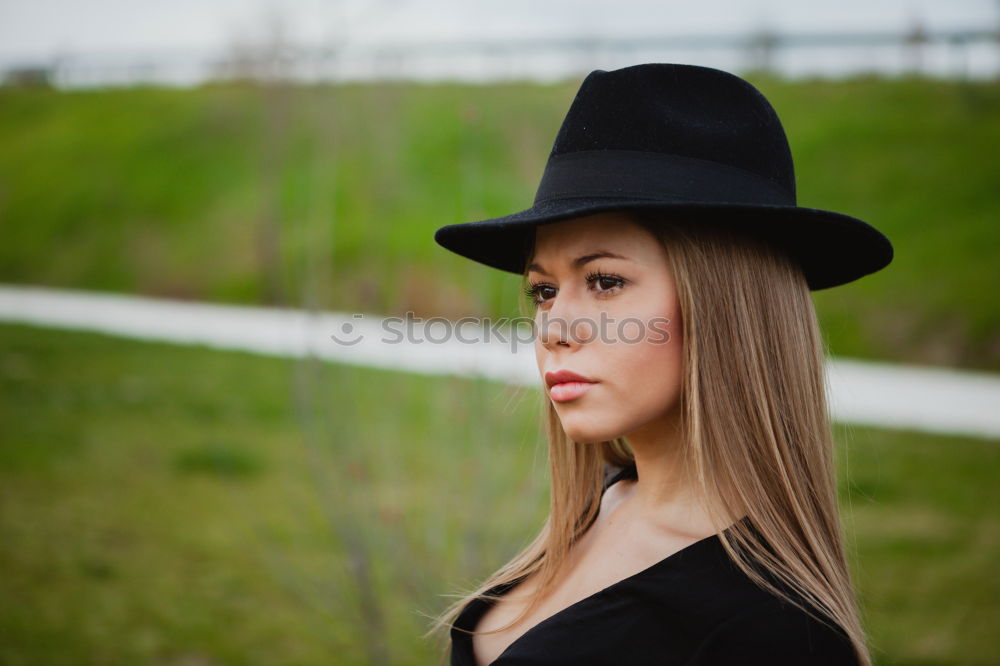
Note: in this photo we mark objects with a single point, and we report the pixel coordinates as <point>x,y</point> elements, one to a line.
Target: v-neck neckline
<point>669,559</point>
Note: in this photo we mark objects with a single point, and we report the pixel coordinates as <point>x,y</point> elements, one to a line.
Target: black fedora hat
<point>696,141</point>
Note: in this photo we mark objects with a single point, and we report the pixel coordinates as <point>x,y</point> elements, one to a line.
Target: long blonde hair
<point>757,432</point>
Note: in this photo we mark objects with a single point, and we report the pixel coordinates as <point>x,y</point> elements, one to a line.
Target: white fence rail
<point>879,394</point>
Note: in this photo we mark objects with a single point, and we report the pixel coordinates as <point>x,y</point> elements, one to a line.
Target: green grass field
<point>329,196</point>
<point>186,506</point>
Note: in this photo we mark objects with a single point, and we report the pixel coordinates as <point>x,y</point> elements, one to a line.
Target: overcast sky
<point>38,29</point>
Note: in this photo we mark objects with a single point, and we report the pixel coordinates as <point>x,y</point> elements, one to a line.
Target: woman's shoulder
<point>777,633</point>
<point>742,622</point>
<point>737,620</point>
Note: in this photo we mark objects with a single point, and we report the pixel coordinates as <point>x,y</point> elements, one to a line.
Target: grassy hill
<point>329,195</point>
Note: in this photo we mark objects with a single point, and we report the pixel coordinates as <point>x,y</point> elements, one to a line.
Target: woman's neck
<point>666,493</point>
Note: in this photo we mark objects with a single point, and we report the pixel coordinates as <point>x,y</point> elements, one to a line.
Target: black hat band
<point>588,174</point>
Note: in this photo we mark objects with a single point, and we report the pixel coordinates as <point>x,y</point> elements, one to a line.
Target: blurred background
<point>181,504</point>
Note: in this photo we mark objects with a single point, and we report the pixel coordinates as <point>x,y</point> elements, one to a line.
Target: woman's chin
<point>584,435</point>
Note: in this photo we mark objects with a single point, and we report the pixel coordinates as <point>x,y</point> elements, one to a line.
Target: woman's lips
<point>569,390</point>
<point>565,385</point>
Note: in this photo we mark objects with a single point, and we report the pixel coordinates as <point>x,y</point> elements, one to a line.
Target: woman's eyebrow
<point>582,261</point>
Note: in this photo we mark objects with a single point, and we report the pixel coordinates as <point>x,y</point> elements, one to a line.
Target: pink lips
<point>565,385</point>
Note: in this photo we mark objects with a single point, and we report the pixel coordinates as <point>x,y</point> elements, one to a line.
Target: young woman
<point>693,515</point>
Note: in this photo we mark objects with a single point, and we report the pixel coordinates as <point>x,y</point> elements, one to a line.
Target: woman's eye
<point>605,282</point>
<point>539,293</point>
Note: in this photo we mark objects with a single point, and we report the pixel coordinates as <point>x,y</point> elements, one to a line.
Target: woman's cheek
<point>654,369</point>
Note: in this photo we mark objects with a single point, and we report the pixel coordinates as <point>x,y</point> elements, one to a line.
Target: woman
<point>693,515</point>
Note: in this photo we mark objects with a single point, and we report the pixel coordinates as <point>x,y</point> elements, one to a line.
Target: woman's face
<point>613,320</point>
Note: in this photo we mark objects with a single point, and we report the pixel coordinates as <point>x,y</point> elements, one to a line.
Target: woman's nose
<point>553,331</point>
<point>564,324</point>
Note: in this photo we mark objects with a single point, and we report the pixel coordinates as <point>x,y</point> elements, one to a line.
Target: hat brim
<point>832,248</point>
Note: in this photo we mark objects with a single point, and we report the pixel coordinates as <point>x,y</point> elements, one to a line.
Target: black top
<point>693,608</point>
